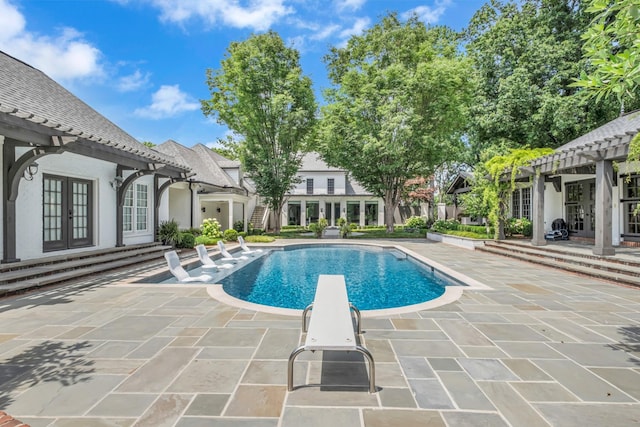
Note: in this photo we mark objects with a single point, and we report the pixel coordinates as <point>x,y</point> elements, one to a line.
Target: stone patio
<point>541,348</point>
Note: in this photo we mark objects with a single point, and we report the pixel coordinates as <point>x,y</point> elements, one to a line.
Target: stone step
<point>72,256</point>
<point>604,263</point>
<point>565,263</point>
<point>46,269</point>
<point>563,251</point>
<point>61,276</point>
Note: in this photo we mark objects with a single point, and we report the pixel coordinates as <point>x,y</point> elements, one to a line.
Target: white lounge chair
<point>226,256</point>
<point>180,273</point>
<point>245,248</point>
<point>207,262</point>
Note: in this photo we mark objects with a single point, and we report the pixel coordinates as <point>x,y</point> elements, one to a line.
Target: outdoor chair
<point>226,256</point>
<point>558,230</point>
<point>245,248</point>
<point>207,262</point>
<point>179,272</point>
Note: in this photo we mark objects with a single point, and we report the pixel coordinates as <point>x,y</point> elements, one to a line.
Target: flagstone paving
<point>541,348</point>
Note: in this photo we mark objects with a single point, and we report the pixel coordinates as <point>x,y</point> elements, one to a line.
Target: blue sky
<point>142,63</point>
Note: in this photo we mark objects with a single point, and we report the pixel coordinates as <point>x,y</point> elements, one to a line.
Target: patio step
<point>31,274</point>
<point>621,270</point>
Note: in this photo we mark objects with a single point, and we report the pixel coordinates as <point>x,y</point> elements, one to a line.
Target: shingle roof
<point>627,124</point>
<point>222,161</point>
<point>29,94</point>
<point>353,188</point>
<point>614,135</point>
<point>313,162</point>
<point>202,163</point>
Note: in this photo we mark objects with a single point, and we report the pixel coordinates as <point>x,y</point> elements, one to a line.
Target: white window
<point>331,183</point>
<point>136,205</point>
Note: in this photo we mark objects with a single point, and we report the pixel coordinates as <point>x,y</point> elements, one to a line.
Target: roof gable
<point>201,162</point>
<point>29,94</point>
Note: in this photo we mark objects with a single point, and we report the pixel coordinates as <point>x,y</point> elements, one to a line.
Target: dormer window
<point>330,186</point>
<point>309,186</point>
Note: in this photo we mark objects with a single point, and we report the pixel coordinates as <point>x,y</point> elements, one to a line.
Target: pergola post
<point>537,238</point>
<point>603,209</point>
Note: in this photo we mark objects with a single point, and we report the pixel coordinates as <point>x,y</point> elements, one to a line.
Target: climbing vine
<point>497,191</point>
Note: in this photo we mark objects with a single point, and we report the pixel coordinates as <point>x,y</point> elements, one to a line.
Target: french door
<point>580,207</point>
<point>67,205</point>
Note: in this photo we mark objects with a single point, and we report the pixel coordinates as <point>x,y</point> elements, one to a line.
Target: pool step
<point>30,274</point>
<point>616,269</point>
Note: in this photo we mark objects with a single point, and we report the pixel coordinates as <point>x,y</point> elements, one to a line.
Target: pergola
<point>598,150</point>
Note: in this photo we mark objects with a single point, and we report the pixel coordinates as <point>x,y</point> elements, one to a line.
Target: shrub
<point>211,228</point>
<point>415,222</point>
<point>444,225</point>
<point>187,241</point>
<point>518,226</point>
<point>256,231</point>
<point>168,233</point>
<point>230,235</point>
<point>341,221</point>
<point>319,227</point>
<point>205,240</point>
<point>238,226</point>
<point>260,239</point>
<point>345,229</point>
<point>195,231</point>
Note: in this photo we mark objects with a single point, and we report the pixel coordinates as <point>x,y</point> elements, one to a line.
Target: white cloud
<point>349,4</point>
<point>325,32</point>
<point>358,27</point>
<point>12,22</point>
<point>258,15</point>
<point>428,14</point>
<point>65,57</point>
<point>168,101</point>
<point>134,81</point>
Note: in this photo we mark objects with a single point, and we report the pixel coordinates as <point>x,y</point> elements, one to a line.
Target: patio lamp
<point>116,183</point>
<point>30,171</point>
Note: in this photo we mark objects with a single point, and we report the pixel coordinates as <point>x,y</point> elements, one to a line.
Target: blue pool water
<point>376,278</point>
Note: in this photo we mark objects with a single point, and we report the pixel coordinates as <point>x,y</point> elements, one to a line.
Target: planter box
<point>463,242</point>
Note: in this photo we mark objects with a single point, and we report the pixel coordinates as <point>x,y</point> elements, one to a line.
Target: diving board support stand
<point>330,326</point>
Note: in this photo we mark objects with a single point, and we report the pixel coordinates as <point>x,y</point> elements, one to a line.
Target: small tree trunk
<point>277,220</point>
<point>388,217</point>
<point>390,205</point>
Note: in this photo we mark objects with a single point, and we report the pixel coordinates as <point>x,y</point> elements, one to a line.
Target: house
<point>216,189</point>
<point>71,179</point>
<point>461,184</point>
<point>590,184</point>
<point>328,192</point>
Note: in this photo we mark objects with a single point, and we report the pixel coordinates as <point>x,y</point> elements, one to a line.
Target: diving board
<point>331,325</point>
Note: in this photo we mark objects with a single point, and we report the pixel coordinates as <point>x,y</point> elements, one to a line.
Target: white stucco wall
<point>234,173</point>
<point>553,205</point>
<point>180,208</point>
<point>320,183</point>
<point>29,203</point>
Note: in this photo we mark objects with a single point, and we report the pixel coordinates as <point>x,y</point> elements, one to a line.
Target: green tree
<point>611,45</point>
<point>260,93</point>
<point>148,144</point>
<point>227,148</point>
<point>526,54</point>
<point>397,105</point>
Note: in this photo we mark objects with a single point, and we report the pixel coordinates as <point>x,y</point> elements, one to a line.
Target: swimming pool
<point>376,277</point>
